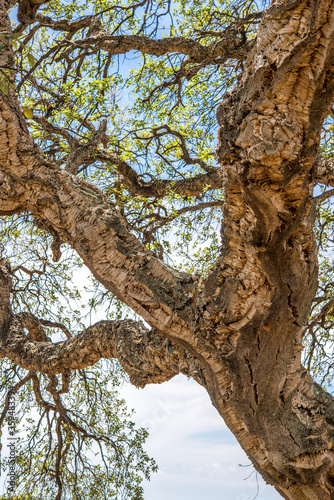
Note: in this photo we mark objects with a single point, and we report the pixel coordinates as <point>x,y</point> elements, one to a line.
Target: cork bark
<point>238,332</point>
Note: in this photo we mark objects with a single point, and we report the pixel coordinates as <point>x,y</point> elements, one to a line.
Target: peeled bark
<point>239,332</point>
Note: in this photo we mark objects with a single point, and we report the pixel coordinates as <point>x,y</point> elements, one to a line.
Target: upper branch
<point>231,47</point>
<point>192,186</point>
<point>87,153</point>
<point>230,44</point>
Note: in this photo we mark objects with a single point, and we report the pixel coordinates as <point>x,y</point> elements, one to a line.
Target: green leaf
<point>4,88</point>
<point>32,59</point>
<point>27,112</point>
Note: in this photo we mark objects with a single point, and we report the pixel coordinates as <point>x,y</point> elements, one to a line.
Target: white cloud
<point>197,455</point>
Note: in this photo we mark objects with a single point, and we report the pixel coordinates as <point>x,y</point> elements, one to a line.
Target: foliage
<point>160,117</point>
<point>76,440</point>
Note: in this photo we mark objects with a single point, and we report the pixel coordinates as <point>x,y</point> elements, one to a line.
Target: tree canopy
<point>182,153</point>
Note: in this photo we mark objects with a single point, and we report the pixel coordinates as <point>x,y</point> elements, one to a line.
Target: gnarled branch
<point>146,357</point>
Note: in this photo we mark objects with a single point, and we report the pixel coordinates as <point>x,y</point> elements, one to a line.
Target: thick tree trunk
<point>239,332</point>
<point>268,272</point>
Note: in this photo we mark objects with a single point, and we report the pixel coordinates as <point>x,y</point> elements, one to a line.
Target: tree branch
<point>230,44</point>
<point>324,196</point>
<point>158,188</point>
<point>324,171</point>
<point>87,153</point>
<point>145,356</point>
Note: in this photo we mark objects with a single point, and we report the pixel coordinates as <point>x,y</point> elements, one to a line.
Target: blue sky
<point>198,456</point>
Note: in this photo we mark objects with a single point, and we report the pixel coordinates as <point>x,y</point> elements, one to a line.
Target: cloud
<point>197,455</point>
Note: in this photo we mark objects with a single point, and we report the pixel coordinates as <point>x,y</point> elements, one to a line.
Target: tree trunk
<point>239,332</point>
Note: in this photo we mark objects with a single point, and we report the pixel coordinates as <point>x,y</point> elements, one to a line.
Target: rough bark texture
<point>239,332</point>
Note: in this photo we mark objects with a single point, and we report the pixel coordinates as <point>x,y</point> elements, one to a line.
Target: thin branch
<point>324,196</point>
<point>13,390</point>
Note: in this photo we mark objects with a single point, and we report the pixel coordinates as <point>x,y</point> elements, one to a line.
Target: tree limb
<point>230,44</point>
<point>145,356</point>
<point>158,188</point>
<point>324,171</point>
<point>87,153</point>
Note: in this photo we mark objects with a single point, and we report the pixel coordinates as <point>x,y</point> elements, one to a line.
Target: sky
<point>197,455</point>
